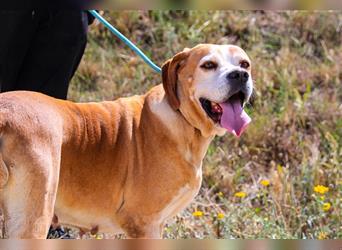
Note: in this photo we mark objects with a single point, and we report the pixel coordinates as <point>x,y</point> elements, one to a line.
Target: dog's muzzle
<point>238,84</point>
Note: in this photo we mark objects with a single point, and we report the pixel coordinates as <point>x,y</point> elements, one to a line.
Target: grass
<point>295,138</point>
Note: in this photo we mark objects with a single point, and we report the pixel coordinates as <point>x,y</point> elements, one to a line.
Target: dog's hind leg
<point>29,196</point>
<point>3,180</point>
<point>3,173</point>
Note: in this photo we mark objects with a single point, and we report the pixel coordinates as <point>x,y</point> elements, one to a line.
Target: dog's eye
<point>209,65</point>
<point>244,64</point>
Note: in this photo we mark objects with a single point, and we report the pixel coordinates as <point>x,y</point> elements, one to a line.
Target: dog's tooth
<point>215,107</point>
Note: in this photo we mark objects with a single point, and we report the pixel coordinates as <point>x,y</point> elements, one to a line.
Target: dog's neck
<point>190,141</point>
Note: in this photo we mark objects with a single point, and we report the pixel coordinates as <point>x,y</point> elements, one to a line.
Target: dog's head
<point>210,84</point>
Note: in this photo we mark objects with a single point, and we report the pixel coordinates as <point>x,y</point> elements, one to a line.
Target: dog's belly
<point>85,220</point>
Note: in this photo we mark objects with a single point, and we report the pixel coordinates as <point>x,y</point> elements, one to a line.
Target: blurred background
<point>282,178</point>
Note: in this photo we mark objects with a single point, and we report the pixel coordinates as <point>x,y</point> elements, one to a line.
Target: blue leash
<point>125,40</point>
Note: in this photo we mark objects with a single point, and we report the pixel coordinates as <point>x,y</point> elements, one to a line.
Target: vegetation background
<point>265,184</point>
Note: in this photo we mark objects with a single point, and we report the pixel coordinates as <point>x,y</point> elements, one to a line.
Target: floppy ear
<point>170,76</point>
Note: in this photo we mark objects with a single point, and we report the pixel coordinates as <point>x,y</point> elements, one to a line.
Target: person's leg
<point>55,53</point>
<point>17,29</point>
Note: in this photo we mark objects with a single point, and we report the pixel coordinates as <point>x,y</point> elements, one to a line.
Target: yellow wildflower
<point>280,169</point>
<point>326,206</point>
<point>240,194</point>
<point>321,189</point>
<point>265,183</point>
<point>99,237</point>
<point>220,216</point>
<point>220,194</point>
<point>322,235</point>
<point>197,214</point>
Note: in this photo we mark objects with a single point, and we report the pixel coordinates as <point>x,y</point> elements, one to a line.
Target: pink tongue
<point>234,118</point>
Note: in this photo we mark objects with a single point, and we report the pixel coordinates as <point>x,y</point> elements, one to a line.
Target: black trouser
<point>40,50</point>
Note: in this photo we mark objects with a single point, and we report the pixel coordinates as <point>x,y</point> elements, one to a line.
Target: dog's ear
<point>170,76</point>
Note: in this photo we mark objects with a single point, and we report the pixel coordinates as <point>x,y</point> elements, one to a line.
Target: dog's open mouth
<point>229,114</point>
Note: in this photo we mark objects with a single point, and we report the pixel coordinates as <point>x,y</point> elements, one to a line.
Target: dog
<point>119,166</point>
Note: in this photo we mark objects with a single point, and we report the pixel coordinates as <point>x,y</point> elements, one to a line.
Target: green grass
<point>294,140</point>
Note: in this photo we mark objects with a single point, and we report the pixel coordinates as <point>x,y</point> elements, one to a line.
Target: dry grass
<point>294,141</point>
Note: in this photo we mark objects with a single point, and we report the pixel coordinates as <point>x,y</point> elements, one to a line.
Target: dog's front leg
<point>153,231</point>
<point>149,232</point>
<point>140,227</point>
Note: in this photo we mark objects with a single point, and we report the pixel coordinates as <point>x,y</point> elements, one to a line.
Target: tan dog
<point>121,166</point>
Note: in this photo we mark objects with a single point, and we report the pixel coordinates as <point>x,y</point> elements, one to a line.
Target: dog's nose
<point>238,76</point>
